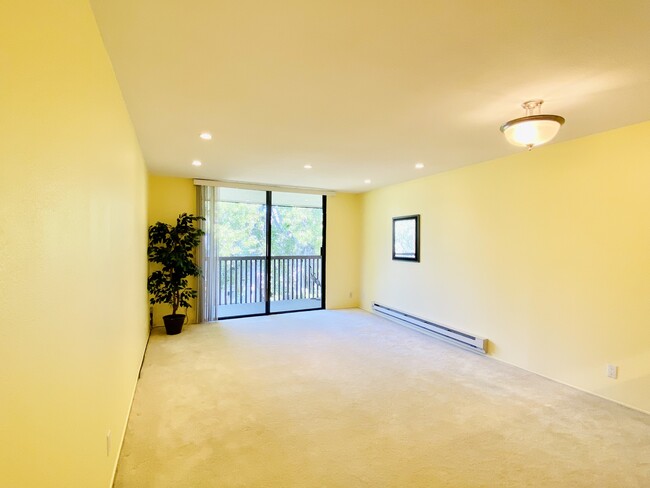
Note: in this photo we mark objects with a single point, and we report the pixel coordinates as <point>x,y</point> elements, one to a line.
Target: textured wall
<point>72,246</point>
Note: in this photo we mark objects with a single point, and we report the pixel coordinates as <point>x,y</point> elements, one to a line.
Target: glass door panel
<point>296,263</point>
<point>242,248</point>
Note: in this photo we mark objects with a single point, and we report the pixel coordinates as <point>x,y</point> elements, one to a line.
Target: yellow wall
<point>545,253</point>
<point>169,197</point>
<point>343,250</point>
<point>72,248</point>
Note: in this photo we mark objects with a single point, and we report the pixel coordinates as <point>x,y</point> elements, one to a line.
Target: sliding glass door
<point>241,247</point>
<point>270,252</point>
<point>296,252</point>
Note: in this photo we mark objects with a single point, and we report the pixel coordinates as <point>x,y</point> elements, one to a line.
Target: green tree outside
<point>296,231</point>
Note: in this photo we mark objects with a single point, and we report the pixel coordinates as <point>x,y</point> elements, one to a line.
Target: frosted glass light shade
<point>532,130</point>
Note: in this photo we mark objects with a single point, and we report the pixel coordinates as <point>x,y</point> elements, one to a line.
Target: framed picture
<point>406,238</point>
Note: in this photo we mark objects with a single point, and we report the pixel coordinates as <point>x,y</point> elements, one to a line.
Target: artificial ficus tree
<point>172,247</point>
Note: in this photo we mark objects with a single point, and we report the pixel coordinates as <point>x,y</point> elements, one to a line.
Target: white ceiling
<point>365,89</point>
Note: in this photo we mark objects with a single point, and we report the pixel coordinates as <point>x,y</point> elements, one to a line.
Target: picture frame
<point>406,238</point>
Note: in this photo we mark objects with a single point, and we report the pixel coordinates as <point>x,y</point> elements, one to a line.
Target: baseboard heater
<point>463,339</point>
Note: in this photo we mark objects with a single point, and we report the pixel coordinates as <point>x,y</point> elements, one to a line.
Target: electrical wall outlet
<point>108,443</point>
<point>612,371</point>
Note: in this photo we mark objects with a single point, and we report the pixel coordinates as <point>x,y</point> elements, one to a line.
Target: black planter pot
<point>174,323</point>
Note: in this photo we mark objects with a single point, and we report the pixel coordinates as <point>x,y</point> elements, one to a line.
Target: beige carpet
<point>347,399</point>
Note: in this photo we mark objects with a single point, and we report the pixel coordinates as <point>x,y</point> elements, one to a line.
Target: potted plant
<point>172,247</point>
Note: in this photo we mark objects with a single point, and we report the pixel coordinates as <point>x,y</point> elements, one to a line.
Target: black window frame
<point>416,257</point>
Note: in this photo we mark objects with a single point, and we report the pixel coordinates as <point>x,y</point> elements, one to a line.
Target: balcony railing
<point>243,279</point>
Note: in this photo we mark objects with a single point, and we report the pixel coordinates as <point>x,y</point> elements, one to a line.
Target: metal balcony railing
<point>242,279</point>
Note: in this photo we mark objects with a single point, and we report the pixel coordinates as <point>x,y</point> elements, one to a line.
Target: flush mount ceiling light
<point>534,128</point>
<point>206,136</point>
<point>196,162</point>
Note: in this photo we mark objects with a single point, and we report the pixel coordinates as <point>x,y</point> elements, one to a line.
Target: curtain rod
<point>251,186</point>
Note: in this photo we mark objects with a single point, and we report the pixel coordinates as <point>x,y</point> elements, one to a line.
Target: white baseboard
<point>128,415</point>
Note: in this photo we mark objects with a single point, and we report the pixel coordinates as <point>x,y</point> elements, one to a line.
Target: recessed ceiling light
<point>419,165</point>
<point>307,166</point>
<point>206,136</point>
<point>367,182</point>
<point>196,162</point>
